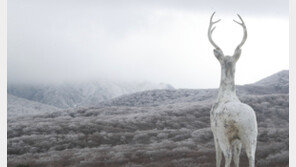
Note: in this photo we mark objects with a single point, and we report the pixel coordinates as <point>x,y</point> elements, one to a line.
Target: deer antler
<point>210,31</point>
<point>245,33</point>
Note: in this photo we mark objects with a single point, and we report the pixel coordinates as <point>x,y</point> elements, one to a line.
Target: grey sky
<point>158,41</point>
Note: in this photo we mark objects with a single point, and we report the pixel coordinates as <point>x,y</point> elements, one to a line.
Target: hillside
<point>70,95</point>
<point>168,128</point>
<point>22,107</point>
<point>280,79</point>
<point>167,135</point>
<point>122,93</point>
<point>274,84</point>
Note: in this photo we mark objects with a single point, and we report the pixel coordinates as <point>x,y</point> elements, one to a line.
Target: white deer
<point>233,123</point>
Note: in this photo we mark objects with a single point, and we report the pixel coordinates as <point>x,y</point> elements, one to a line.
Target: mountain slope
<point>280,79</point>
<point>275,84</point>
<point>22,107</point>
<point>151,128</point>
<point>121,93</point>
<point>166,135</point>
<point>79,94</point>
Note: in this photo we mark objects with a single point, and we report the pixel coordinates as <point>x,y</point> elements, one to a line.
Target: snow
<point>22,107</point>
<point>71,95</point>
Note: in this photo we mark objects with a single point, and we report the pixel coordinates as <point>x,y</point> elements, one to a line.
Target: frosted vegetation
<point>151,128</point>
<point>70,95</point>
<point>19,107</point>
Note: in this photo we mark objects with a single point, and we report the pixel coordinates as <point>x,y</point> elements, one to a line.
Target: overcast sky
<point>131,40</point>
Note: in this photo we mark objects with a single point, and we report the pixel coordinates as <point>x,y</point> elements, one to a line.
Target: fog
<point>54,41</point>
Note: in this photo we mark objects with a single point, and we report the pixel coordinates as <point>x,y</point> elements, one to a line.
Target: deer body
<point>233,123</point>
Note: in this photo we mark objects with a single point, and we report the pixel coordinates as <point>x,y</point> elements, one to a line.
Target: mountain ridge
<point>17,106</point>
<point>280,78</point>
<point>159,97</point>
<point>73,95</point>
<point>96,94</point>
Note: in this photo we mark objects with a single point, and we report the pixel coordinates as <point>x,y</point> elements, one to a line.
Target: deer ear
<point>237,54</point>
<point>219,54</point>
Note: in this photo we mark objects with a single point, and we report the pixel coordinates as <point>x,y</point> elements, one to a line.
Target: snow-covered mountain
<point>17,106</point>
<point>280,79</point>
<point>275,84</point>
<point>79,94</point>
<point>110,92</point>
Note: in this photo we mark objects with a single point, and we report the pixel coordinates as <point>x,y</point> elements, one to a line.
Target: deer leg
<point>251,155</point>
<point>218,152</point>
<point>250,150</point>
<point>227,155</point>
<point>227,152</point>
<point>236,152</point>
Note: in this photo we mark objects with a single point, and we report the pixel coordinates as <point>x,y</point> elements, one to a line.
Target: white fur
<point>233,123</point>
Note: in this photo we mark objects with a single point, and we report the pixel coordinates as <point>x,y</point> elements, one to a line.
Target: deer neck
<point>227,90</point>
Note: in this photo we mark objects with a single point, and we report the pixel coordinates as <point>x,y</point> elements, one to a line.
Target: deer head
<point>227,62</point>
